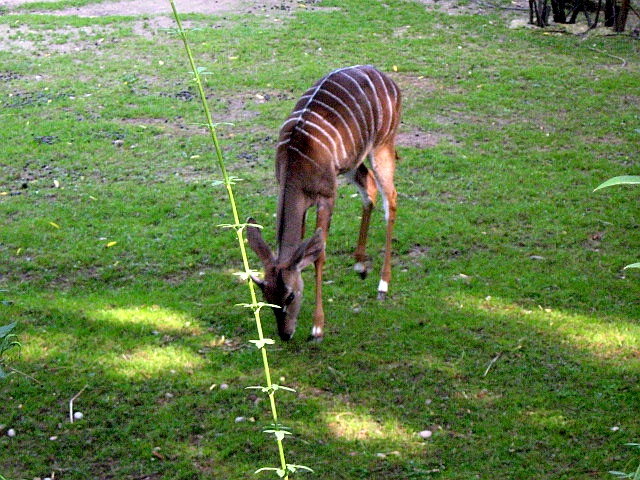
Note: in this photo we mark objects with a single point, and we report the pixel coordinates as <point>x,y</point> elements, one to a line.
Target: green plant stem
<point>239,228</point>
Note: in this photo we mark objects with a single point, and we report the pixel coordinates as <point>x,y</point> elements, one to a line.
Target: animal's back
<point>341,118</point>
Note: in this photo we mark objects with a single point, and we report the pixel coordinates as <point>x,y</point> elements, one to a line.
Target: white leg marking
<point>360,267</point>
<point>385,205</point>
<point>383,286</point>
<point>316,331</point>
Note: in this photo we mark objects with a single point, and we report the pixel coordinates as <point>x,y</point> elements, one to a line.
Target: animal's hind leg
<point>383,161</point>
<point>365,181</point>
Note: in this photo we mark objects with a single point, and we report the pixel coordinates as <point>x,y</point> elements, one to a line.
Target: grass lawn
<point>511,331</point>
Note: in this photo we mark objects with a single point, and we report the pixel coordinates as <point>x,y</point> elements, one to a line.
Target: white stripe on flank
<point>334,153</point>
<point>364,99</point>
<point>344,122</point>
<point>357,122</point>
<point>332,138</point>
<point>313,137</point>
<point>389,103</point>
<point>306,157</point>
<point>289,120</point>
<point>375,96</point>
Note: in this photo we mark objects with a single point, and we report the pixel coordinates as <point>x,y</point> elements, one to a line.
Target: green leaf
<point>279,471</point>
<point>633,265</point>
<point>263,342</point>
<point>279,434</point>
<point>256,306</point>
<point>621,180</point>
<point>257,387</point>
<point>203,71</point>
<point>6,329</point>
<point>280,387</point>
<point>295,468</point>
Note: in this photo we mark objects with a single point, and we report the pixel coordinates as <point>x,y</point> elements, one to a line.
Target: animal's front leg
<point>323,221</point>
<point>317,332</point>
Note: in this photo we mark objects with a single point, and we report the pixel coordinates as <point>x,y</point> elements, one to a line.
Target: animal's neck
<point>292,207</point>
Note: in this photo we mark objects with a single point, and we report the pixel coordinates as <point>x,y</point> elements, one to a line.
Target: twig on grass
<point>493,360</point>
<point>623,60</point>
<point>24,375</point>
<point>73,399</point>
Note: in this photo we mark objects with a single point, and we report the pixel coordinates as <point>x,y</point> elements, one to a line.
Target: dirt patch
<point>417,139</point>
<point>239,108</point>
<point>221,7</point>
<point>155,7</point>
<point>453,7</point>
<point>157,15</point>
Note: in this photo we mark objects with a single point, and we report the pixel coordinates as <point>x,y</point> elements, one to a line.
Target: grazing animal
<point>349,114</point>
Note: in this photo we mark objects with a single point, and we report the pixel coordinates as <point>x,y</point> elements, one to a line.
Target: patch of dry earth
<point>160,12</point>
<point>156,7</point>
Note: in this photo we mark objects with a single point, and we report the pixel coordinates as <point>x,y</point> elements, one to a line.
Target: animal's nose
<point>286,336</point>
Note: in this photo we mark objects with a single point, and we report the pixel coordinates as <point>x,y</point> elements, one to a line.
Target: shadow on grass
<point>505,391</point>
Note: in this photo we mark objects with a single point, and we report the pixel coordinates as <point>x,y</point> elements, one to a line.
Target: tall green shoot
<point>277,430</point>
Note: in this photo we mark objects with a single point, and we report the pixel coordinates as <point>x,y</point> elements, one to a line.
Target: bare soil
<point>217,7</point>
<point>17,37</point>
<point>156,7</point>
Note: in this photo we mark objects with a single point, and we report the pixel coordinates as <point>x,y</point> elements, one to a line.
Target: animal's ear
<point>257,244</point>
<point>308,252</point>
<point>258,282</point>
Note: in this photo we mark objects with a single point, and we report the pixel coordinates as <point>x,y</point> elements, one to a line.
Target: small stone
<point>425,434</point>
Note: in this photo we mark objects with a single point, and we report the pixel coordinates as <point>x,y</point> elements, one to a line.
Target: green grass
<point>511,331</point>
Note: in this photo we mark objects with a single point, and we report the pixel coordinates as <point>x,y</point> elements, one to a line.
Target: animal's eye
<point>289,298</point>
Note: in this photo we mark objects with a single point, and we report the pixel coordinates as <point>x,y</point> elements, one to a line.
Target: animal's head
<point>282,284</point>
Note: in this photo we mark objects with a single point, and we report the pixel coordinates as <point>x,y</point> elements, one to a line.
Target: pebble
<point>425,434</point>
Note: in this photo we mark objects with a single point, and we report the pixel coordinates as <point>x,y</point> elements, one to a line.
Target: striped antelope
<point>346,116</point>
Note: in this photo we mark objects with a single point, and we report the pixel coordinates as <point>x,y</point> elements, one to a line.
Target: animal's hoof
<point>362,269</point>
<point>313,339</point>
<point>316,334</point>
<point>383,288</point>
